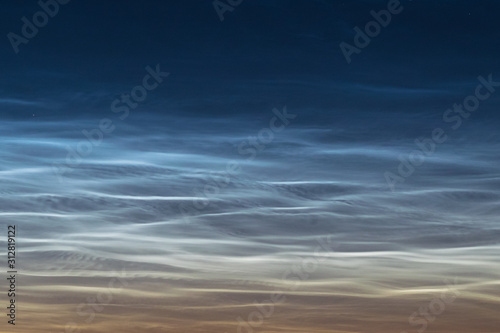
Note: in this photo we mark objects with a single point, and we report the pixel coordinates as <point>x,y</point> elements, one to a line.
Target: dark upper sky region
<point>263,53</point>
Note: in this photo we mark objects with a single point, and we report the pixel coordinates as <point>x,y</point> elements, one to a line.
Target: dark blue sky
<point>265,53</point>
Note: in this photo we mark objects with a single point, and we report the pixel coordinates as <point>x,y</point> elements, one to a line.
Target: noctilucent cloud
<point>251,166</point>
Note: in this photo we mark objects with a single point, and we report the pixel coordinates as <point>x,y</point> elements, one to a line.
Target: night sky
<point>245,166</point>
